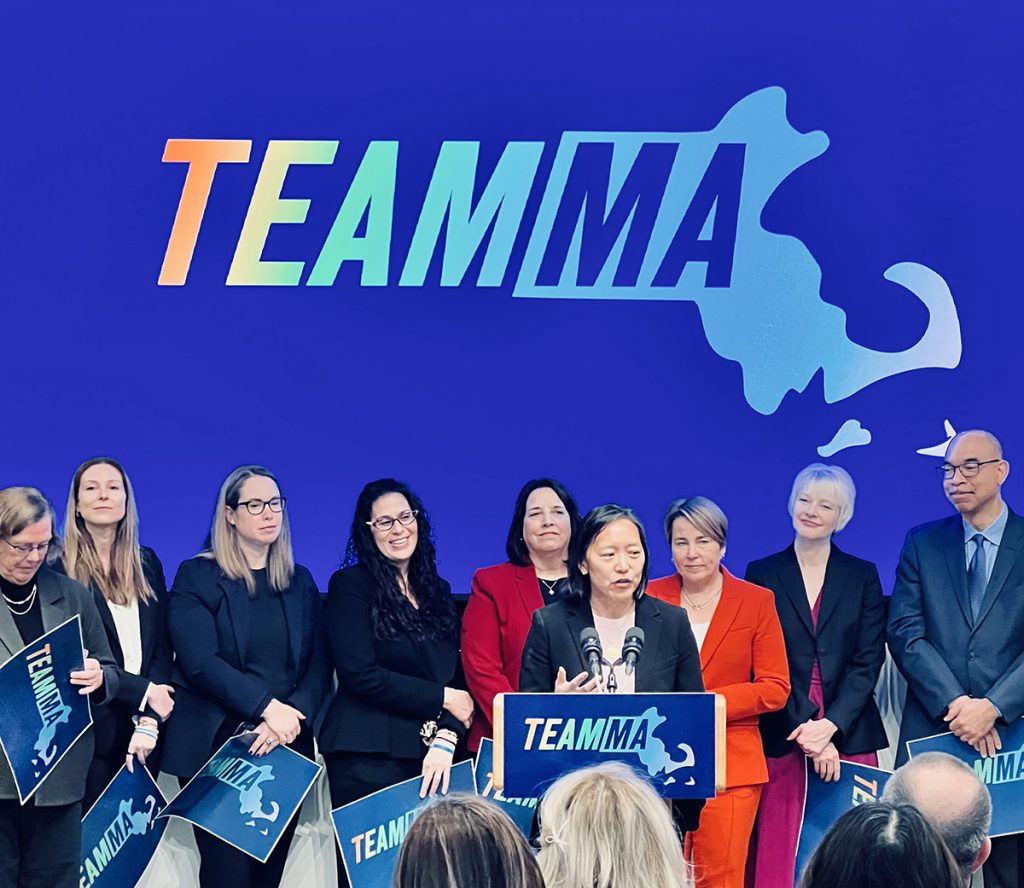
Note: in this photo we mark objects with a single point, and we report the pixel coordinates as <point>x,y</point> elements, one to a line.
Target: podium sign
<point>678,740</point>
<point>1002,773</point>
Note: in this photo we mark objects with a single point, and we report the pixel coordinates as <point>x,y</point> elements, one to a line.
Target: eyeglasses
<point>257,506</point>
<point>386,522</point>
<point>26,549</point>
<point>969,468</point>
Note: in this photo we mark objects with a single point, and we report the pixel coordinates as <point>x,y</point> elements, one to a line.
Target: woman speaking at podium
<point>608,579</point>
<point>743,658</point>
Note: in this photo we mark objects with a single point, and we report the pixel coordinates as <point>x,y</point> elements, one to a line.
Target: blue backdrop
<point>790,155</point>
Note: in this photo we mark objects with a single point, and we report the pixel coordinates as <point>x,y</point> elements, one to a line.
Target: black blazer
<point>113,723</point>
<point>208,620</point>
<point>387,688</point>
<point>60,598</point>
<point>670,660</point>
<point>849,645</point>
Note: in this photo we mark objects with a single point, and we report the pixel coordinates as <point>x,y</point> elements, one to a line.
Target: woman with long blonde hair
<point>102,552</point>
<point>247,628</point>
<point>606,827</point>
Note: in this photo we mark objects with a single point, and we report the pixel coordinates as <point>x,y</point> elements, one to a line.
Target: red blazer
<point>743,658</point>
<point>494,629</point>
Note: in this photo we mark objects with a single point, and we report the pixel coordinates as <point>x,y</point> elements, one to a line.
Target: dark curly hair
<point>392,612</point>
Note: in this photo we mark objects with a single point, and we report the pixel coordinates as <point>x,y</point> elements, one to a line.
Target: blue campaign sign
<point>825,803</point>
<point>121,831</point>
<point>371,830</point>
<point>243,800</point>
<point>678,739</point>
<point>1002,773</point>
<point>519,809</point>
<point>44,715</point>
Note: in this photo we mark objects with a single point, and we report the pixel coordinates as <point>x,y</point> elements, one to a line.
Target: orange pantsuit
<point>743,658</point>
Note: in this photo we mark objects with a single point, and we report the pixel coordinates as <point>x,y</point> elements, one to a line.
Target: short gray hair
<point>838,477</point>
<point>963,835</point>
<point>702,513</point>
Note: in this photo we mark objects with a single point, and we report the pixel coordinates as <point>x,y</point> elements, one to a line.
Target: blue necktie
<point>976,575</point>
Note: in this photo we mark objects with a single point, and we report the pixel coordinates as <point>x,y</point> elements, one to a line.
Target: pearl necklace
<point>29,600</point>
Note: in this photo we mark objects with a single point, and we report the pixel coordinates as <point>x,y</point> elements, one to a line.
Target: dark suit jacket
<point>849,644</point>
<point>494,629</point>
<point>60,599</point>
<point>113,723</point>
<point>940,650</point>
<point>208,619</point>
<point>670,661</point>
<point>387,688</point>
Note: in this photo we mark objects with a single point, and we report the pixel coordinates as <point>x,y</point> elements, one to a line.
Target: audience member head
<point>544,520</point>
<point>696,529</point>
<point>952,799</point>
<point>463,841</point>
<point>101,513</point>
<point>606,827</point>
<point>878,845</point>
<point>27,532</point>
<point>973,474</point>
<point>250,525</point>
<point>608,556</point>
<point>821,501</point>
<point>391,537</point>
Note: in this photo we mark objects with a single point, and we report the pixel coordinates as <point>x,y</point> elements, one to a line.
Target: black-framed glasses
<point>386,522</point>
<point>968,468</point>
<point>26,549</point>
<point>257,506</point>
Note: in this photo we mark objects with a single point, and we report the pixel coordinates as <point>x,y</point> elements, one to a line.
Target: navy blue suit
<point>944,654</point>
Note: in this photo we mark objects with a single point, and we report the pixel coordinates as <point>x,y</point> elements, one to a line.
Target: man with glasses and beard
<point>956,621</point>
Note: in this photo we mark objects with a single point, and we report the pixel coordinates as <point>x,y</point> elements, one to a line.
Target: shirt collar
<point>993,533</point>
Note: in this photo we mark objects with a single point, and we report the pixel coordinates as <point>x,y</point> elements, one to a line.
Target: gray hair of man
<point>924,782</point>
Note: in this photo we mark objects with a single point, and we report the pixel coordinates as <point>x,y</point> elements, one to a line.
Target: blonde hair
<point>605,827</point>
<point>22,506</point>
<point>224,548</point>
<point>463,841</point>
<point>842,484</point>
<point>125,581</point>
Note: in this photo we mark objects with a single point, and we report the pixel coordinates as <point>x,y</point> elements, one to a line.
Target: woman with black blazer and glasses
<point>102,552</point>
<point>400,709</point>
<point>246,624</point>
<point>833,618</point>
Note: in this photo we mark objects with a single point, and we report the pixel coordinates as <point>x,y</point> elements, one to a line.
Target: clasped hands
<point>973,720</point>
<point>280,726</point>
<point>814,737</point>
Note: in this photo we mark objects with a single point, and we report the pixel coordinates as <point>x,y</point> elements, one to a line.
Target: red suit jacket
<point>494,629</point>
<point>743,658</point>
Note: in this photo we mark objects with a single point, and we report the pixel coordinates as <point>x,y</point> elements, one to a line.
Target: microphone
<point>632,647</point>
<point>590,645</point>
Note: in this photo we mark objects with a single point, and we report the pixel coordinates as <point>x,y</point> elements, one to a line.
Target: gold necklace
<point>707,603</point>
<point>29,600</point>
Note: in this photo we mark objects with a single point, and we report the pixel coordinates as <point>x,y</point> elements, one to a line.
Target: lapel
<point>293,600</point>
<point>51,600</point>
<point>580,617</point>
<point>725,615</point>
<point>1006,558</point>
<point>10,637</point>
<point>108,624</point>
<point>648,618</point>
<point>956,561</point>
<point>792,582</point>
<point>237,596</point>
<point>831,594</point>
<point>147,628</point>
<point>527,587</point>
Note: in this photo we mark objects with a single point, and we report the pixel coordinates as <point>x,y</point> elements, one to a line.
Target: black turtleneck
<point>30,624</point>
